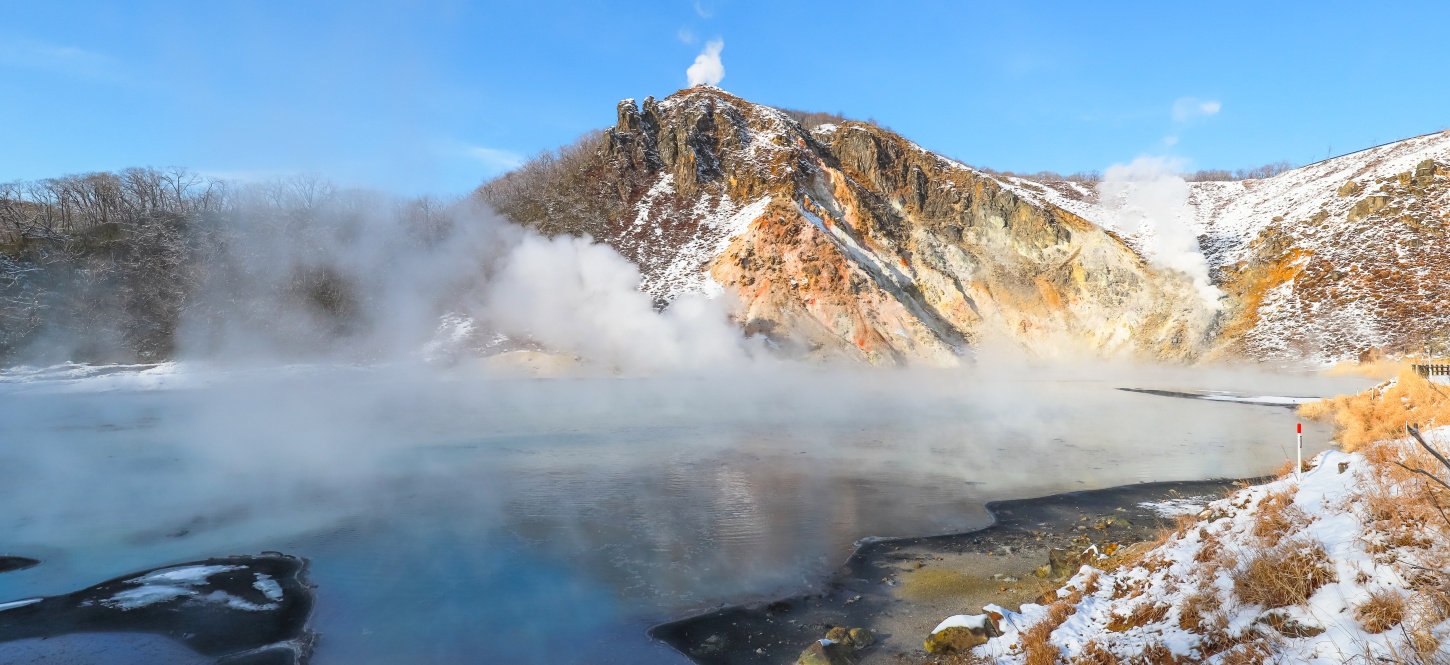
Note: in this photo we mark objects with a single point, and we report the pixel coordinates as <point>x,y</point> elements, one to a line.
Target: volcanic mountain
<point>847,240</point>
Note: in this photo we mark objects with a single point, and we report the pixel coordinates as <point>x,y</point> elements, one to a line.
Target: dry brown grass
<point>1283,470</point>
<point>1380,369</point>
<point>1209,547</point>
<point>1383,610</point>
<point>1197,606</point>
<point>1037,646</point>
<point>1154,653</point>
<point>1095,654</point>
<point>1142,615</point>
<point>1381,413</point>
<point>1403,508</point>
<point>1277,516</point>
<point>1247,653</point>
<point>1284,575</point>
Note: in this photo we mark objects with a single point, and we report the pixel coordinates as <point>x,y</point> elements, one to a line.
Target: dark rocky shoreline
<point>239,610</point>
<point>901,588</point>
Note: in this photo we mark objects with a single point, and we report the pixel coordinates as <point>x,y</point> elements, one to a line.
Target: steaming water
<point>451,518</point>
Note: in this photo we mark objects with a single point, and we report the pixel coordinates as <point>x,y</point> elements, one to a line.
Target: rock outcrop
<point>850,241</point>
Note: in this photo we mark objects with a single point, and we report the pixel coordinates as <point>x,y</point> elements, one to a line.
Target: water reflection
<point>455,519</point>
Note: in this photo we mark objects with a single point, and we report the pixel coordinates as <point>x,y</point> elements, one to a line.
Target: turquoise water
<point>453,518</point>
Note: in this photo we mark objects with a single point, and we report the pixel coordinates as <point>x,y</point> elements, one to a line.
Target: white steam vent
<point>1150,200</point>
<point>707,70</point>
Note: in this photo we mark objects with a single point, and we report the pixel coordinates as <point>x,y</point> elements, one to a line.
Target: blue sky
<point>436,96</point>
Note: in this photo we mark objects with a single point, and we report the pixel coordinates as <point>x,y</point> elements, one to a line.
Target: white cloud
<point>704,13</point>
<point>1188,108</point>
<point>685,36</point>
<point>1170,141</point>
<point>68,60</point>
<point>707,70</point>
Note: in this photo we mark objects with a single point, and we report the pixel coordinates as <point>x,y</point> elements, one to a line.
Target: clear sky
<point>436,96</point>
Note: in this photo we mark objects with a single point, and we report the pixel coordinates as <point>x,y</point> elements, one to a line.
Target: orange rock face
<point>850,241</point>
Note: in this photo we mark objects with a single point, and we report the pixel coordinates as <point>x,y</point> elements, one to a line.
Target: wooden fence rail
<point>1432,370</point>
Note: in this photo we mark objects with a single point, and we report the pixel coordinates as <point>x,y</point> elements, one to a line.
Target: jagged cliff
<point>850,241</point>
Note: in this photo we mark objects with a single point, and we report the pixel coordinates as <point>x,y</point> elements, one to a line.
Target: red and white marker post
<point>1299,455</point>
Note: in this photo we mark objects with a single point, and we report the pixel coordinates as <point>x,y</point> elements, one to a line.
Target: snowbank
<point>1340,564</point>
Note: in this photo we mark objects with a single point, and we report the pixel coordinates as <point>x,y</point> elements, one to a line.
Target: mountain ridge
<point>868,246</point>
<point>849,240</point>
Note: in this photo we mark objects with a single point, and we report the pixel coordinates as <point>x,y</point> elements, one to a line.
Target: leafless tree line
<point>573,190</point>
<point>101,266</point>
<point>1258,173</point>
<point>55,208</point>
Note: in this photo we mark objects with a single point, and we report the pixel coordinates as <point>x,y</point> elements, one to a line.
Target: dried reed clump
<point>1383,610</point>
<point>1145,554</point>
<point>1428,606</point>
<point>1037,646</point>
<point>1095,654</point>
<point>1277,516</point>
<point>1154,653</point>
<point>1193,613</point>
<point>1380,369</point>
<point>1284,575</point>
<point>1381,412</point>
<point>1209,547</point>
<point>1142,615</point>
<point>1247,653</point>
<point>1283,470</point>
<point>1406,508</point>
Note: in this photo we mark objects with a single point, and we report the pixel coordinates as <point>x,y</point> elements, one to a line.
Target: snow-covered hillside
<point>1320,262</point>
<point>1228,215</point>
<point>1347,563</point>
<point>849,240</point>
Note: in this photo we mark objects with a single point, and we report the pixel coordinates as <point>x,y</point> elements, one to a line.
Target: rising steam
<point>575,296</point>
<point>1150,200</point>
<point>707,70</point>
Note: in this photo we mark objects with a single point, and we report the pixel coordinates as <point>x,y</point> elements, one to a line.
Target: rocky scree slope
<point>849,241</point>
<point>1322,262</point>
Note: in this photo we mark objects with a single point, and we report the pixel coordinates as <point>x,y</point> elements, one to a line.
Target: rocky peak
<point>852,241</point>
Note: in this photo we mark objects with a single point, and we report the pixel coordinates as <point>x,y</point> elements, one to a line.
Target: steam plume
<point>1150,200</point>
<point>707,70</point>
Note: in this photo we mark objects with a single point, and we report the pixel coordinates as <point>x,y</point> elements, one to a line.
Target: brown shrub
<point>1285,575</point>
<point>1381,611</point>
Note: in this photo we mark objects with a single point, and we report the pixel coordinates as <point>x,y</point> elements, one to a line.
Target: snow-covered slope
<point>1323,261</point>
<point>1326,568</point>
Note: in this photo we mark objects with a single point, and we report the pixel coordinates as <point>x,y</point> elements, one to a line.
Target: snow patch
<point>19,603</point>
